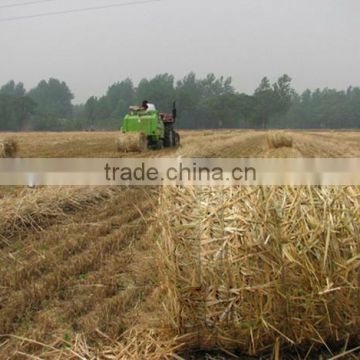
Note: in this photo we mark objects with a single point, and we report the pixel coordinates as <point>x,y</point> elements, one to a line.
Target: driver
<point>146,106</point>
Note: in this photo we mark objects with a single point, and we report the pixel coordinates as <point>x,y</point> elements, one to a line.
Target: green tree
<point>211,86</point>
<point>195,98</point>
<point>272,100</point>
<point>159,90</point>
<point>54,98</point>
<point>120,96</point>
<point>265,103</point>
<point>103,110</point>
<point>13,89</point>
<point>15,112</point>
<point>229,111</point>
<point>90,110</point>
<point>283,93</point>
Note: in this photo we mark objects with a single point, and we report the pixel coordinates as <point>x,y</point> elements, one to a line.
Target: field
<point>105,272</point>
<point>225,143</point>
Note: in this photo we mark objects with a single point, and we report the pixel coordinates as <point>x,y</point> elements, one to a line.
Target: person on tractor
<point>146,106</point>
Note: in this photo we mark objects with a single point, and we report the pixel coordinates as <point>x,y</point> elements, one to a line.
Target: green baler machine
<point>142,130</point>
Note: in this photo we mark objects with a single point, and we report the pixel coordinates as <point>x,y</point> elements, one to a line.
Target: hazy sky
<point>317,42</point>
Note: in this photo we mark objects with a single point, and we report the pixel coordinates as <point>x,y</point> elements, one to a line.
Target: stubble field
<point>225,143</point>
<point>149,273</point>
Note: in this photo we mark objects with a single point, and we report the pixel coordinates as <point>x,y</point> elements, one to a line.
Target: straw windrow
<point>37,207</point>
<point>247,268</point>
<point>251,270</point>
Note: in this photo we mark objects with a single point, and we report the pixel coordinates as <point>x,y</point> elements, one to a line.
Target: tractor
<point>143,129</point>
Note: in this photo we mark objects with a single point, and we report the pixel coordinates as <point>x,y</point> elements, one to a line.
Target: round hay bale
<point>8,148</point>
<point>279,139</point>
<point>132,142</point>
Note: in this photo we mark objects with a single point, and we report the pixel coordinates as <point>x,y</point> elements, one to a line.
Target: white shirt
<point>151,107</point>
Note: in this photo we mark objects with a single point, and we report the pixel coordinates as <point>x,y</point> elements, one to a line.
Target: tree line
<point>48,106</point>
<point>209,102</point>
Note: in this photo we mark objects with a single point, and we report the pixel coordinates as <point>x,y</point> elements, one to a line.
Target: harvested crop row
<point>34,254</point>
<point>36,208</point>
<point>257,269</point>
<point>76,281</point>
<point>245,269</point>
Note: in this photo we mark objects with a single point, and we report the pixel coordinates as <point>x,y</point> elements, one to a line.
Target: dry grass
<point>282,153</point>
<point>255,270</point>
<point>259,269</point>
<point>279,139</point>
<point>208,132</point>
<point>223,144</point>
<point>72,144</point>
<point>245,143</point>
<point>75,279</point>
<point>8,148</point>
<point>132,142</point>
<point>34,207</point>
<point>99,273</point>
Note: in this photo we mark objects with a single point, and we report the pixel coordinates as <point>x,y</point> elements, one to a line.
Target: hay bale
<point>253,269</point>
<point>132,142</point>
<point>8,148</point>
<point>279,139</point>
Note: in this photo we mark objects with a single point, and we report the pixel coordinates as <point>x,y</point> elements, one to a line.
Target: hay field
<point>149,273</point>
<point>224,143</point>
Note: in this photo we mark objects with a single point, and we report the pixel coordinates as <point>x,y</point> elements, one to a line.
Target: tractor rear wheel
<point>169,139</point>
<point>159,145</point>
<point>176,139</point>
<point>156,145</point>
<point>169,135</point>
